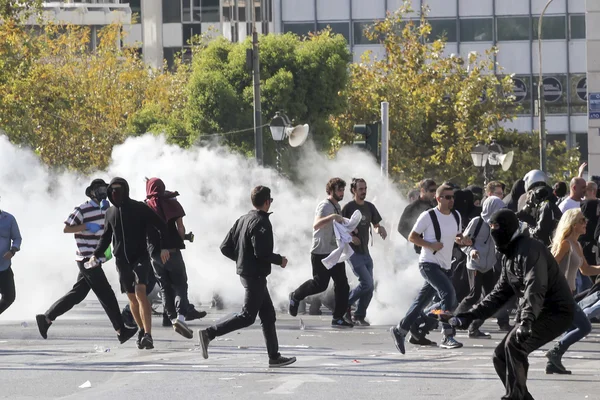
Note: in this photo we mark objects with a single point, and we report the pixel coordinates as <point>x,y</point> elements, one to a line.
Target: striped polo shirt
<point>86,240</point>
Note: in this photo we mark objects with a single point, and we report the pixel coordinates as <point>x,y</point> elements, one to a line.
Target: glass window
<point>210,11</point>
<point>301,29</point>
<point>169,54</point>
<point>578,89</point>
<point>443,27</point>
<point>582,142</point>
<point>477,30</point>
<point>343,28</point>
<point>512,28</point>
<point>522,95</point>
<point>555,94</point>
<point>171,11</point>
<point>227,11</point>
<point>553,27</point>
<point>577,26</point>
<point>136,6</point>
<point>190,30</point>
<point>359,32</point>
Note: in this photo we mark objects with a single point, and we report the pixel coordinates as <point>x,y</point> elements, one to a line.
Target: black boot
<point>554,356</point>
<point>553,369</point>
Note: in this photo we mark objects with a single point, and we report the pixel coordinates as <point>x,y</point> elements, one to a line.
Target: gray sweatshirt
<point>483,243</point>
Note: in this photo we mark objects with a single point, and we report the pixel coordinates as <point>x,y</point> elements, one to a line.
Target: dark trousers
<point>7,289</point>
<point>256,301</point>
<point>510,357</point>
<point>89,279</point>
<point>320,281</point>
<point>479,282</point>
<point>172,278</point>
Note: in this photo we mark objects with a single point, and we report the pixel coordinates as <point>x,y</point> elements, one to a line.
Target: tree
<point>440,106</point>
<point>69,103</point>
<point>301,76</point>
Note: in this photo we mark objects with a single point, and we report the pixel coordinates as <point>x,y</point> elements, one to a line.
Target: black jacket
<point>128,226</point>
<point>250,244</point>
<point>542,220</point>
<point>411,214</point>
<point>530,271</point>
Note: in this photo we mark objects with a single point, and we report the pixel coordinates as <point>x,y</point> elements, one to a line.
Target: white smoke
<point>215,190</point>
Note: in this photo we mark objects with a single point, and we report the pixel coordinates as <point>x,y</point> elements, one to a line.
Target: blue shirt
<point>9,237</point>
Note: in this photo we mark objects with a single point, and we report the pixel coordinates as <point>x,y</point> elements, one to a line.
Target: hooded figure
<point>546,305</point>
<point>512,200</point>
<point>163,202</point>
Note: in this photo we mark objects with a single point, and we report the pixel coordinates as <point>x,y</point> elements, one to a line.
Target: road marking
<point>290,383</point>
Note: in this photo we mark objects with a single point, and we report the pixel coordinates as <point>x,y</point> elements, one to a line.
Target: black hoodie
<point>128,224</point>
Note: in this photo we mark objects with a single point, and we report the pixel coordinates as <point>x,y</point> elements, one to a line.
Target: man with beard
<point>361,261</point>
<point>86,222</point>
<point>546,306</point>
<point>172,275</point>
<point>324,242</point>
<point>412,211</point>
<point>127,224</point>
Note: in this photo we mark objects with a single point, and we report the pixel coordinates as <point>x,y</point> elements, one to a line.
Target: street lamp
<point>494,153</point>
<point>479,154</point>
<point>281,127</point>
<point>541,106</point>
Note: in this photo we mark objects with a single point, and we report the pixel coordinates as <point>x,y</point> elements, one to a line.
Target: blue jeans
<point>581,328</point>
<point>437,281</point>
<point>582,282</point>
<point>362,266</point>
<point>591,305</point>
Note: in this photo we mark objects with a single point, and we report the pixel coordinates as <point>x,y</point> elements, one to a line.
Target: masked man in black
<point>546,306</point>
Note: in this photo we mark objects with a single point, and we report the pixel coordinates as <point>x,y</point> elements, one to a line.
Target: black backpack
<point>436,226</point>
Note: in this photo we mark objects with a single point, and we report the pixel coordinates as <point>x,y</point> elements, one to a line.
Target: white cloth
<point>568,204</point>
<point>343,238</point>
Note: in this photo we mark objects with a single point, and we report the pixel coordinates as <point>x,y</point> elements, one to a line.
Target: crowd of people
<point>480,254</point>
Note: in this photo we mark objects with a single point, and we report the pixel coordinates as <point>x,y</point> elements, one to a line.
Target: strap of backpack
<point>436,226</point>
<point>477,229</point>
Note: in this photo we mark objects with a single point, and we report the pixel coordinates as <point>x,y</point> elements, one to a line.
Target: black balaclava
<point>508,225</point>
<point>118,196</point>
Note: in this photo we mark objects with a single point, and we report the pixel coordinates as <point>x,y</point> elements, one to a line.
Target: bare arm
<point>586,269</point>
<point>74,228</point>
<point>180,227</point>
<point>415,238</point>
<point>322,221</point>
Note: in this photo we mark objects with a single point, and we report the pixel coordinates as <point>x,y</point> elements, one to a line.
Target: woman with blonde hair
<point>568,253</point>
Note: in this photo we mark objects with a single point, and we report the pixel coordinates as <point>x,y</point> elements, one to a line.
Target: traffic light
<point>370,132</point>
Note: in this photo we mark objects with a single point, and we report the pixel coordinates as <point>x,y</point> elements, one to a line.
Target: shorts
<point>134,274</point>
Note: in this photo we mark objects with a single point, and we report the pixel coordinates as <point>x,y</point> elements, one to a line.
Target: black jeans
<point>89,279</point>
<point>479,282</point>
<point>172,278</point>
<point>7,289</point>
<point>320,281</point>
<point>510,357</point>
<point>256,301</point>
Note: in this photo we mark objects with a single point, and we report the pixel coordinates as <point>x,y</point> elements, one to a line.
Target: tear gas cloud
<point>214,186</point>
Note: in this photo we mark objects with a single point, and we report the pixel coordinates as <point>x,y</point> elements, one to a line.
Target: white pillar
<point>592,22</point>
<point>152,32</point>
<point>385,126</point>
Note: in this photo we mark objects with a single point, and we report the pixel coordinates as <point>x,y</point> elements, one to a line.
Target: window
<point>191,10</point>
<point>169,54</point>
<point>555,95</point>
<point>301,29</point>
<point>477,30</point>
<point>553,27</point>
<point>512,28</point>
<point>443,28</point>
<point>522,95</point>
<point>136,6</point>
<point>578,89</point>
<point>343,28</point>
<point>190,30</point>
<point>359,32</point>
<point>210,11</point>
<point>582,141</point>
<point>577,26</point>
<point>171,11</point>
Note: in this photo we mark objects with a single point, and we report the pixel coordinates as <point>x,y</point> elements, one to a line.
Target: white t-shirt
<point>448,229</point>
<point>568,204</point>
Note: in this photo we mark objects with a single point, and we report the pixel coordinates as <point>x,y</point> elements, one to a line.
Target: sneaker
<point>181,327</point>
<point>166,322</point>
<point>138,342</point>
<point>399,338</point>
<point>194,314</point>
<point>204,341</point>
<point>341,323</point>
<point>348,315</point>
<point>293,308</point>
<point>479,335</point>
<point>147,342</point>
<point>360,322</point>
<point>450,343</point>
<point>43,325</point>
<point>281,362</point>
<point>126,334</point>
<point>420,341</point>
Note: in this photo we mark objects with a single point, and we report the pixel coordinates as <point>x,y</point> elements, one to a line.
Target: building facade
<point>164,27</point>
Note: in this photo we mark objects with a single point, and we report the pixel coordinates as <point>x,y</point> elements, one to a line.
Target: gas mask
<point>100,193</point>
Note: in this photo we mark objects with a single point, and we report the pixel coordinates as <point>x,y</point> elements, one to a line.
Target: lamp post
<point>278,125</point>
<point>541,105</point>
<point>479,154</point>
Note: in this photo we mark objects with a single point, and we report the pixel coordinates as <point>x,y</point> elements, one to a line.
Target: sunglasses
<point>271,200</point>
<point>449,197</point>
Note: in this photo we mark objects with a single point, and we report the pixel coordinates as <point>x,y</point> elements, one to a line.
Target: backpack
<point>477,229</point>
<point>436,224</point>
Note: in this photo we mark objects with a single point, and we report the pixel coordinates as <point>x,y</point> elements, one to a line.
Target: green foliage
<point>440,106</point>
<point>302,77</point>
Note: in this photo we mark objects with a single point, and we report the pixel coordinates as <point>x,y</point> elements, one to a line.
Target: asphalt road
<point>81,359</point>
